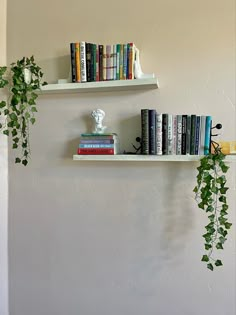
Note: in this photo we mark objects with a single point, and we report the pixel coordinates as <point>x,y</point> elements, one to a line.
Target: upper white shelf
<point>101,86</point>
<point>147,158</point>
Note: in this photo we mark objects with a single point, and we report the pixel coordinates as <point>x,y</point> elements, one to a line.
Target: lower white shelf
<point>146,158</point>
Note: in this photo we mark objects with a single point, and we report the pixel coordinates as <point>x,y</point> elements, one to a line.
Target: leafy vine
<point>210,194</point>
<point>19,111</point>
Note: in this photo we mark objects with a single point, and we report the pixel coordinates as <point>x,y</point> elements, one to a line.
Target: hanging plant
<point>23,79</point>
<point>210,194</point>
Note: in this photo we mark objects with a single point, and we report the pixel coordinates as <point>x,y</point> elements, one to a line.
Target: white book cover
<point>170,134</point>
<point>179,135</point>
<point>83,62</point>
<point>174,124</point>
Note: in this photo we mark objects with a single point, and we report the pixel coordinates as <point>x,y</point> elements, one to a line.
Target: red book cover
<point>95,151</point>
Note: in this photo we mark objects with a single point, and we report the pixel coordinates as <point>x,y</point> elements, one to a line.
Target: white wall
<point>3,181</point>
<point>119,238</point>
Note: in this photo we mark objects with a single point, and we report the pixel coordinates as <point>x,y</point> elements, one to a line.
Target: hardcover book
<point>152,131</point>
<point>145,131</point>
<point>83,71</point>
<point>73,66</point>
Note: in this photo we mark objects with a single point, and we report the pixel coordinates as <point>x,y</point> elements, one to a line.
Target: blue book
<point>96,145</point>
<point>207,135</point>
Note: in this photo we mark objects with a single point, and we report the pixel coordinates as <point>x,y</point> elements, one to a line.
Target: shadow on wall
<point>55,68</point>
<point>178,212</point>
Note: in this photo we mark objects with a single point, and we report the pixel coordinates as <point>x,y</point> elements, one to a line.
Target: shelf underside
<point>101,86</point>
<point>146,158</point>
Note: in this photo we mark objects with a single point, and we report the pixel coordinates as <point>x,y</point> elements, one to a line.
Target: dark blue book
<point>152,131</point>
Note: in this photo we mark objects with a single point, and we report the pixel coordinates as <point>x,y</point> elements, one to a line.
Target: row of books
<point>98,144</point>
<point>166,134</point>
<point>95,62</point>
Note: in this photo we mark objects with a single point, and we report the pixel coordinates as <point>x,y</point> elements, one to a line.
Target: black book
<point>184,135</point>
<point>88,48</point>
<point>73,65</point>
<point>164,134</point>
<point>193,134</point>
<point>145,131</point>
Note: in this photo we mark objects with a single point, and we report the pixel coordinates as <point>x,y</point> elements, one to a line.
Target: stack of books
<point>167,134</point>
<point>96,62</point>
<point>98,144</point>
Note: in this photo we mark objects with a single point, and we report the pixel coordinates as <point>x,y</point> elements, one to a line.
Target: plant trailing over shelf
<point>23,78</point>
<point>210,194</point>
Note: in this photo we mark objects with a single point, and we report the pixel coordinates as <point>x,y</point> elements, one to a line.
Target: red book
<point>96,151</point>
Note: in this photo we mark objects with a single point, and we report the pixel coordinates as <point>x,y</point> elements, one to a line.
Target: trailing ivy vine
<point>210,194</point>
<point>18,113</point>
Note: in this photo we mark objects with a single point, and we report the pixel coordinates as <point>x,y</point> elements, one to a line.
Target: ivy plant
<point>210,194</point>
<point>23,79</point>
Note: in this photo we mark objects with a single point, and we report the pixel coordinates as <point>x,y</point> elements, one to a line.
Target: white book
<point>179,135</point>
<point>174,124</point>
<point>83,71</point>
<point>170,134</point>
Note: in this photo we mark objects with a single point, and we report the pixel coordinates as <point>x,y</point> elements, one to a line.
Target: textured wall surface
<point>3,178</point>
<point>119,238</point>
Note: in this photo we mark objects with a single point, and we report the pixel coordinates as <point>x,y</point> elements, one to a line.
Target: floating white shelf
<point>146,158</point>
<point>101,86</point>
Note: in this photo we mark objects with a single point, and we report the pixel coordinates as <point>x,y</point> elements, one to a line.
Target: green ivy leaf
<point>17,160</point>
<point>228,225</point>
<point>210,266</point>
<point>6,132</point>
<point>219,246</point>
<point>205,258</point>
<point>218,263</point>
<point>24,162</point>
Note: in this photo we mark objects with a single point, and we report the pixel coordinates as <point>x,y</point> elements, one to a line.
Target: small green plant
<point>210,194</point>
<point>19,111</point>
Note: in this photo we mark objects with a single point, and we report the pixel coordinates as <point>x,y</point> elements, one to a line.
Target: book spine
<point>192,135</point>
<point>152,131</point>
<point>121,61</point>
<point>109,62</point>
<point>88,48</point>
<point>144,131</point>
<point>77,62</point>
<point>130,61</point>
<point>174,124</point>
<point>102,141</point>
<point>184,134</point>
<point>94,61</point>
<point>159,133</point>
<point>96,146</point>
<point>188,134</point>
<point>170,134</point>
<point>97,64</point>
<point>83,71</point>
<point>197,135</point>
<point>118,62</point>
<point>72,58</point>
<point>207,135</point>
<point>202,135</point>
<point>114,57</point>
<point>165,134</point>
<point>179,135</point>
<point>104,63</point>
<point>94,151</point>
<point>100,49</point>
<point>125,62</point>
